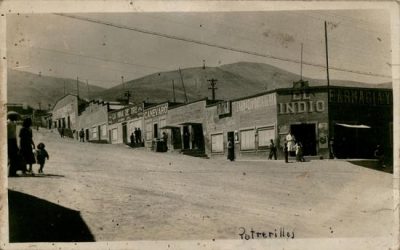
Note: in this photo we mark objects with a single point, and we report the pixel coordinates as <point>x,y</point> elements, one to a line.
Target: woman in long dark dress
<point>26,143</point>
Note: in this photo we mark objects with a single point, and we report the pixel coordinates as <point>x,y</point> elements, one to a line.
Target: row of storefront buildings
<point>346,122</point>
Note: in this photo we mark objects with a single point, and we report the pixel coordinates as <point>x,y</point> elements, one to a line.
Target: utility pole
<point>88,91</point>
<point>328,94</point>
<point>327,60</point>
<point>183,85</point>
<point>301,63</point>
<point>64,87</point>
<point>77,86</point>
<point>40,105</point>
<point>127,95</point>
<point>213,82</point>
<point>173,90</point>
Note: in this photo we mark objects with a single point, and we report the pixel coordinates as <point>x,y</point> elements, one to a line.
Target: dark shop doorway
<point>186,137</point>
<point>176,138</point>
<point>353,142</point>
<point>198,137</point>
<point>124,133</point>
<point>305,133</point>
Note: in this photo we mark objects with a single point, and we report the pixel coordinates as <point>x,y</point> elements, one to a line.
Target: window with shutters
<point>114,134</point>
<point>247,140</point>
<point>94,132</point>
<point>103,130</point>
<point>217,143</point>
<point>265,135</point>
<point>149,131</point>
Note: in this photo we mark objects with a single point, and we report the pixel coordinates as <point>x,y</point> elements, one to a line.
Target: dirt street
<point>134,194</point>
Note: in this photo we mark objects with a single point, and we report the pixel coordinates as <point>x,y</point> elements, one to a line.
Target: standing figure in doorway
<point>231,150</point>
<point>380,156</point>
<point>81,136</point>
<point>286,152</point>
<point>299,152</point>
<point>165,141</point>
<point>132,139</point>
<point>272,150</point>
<point>290,140</point>
<point>26,143</point>
<point>140,136</point>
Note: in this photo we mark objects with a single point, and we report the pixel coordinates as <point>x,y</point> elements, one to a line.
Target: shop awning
<point>169,127</point>
<point>352,126</point>
<point>190,123</point>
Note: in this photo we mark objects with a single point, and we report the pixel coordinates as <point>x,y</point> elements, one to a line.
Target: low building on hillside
<point>65,113</point>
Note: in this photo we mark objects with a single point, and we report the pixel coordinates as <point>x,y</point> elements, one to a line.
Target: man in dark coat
<point>272,150</point>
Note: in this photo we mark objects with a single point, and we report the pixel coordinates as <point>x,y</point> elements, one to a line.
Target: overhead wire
<point>210,44</point>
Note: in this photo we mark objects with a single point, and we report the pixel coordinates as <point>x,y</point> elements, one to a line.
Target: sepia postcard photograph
<point>179,126</point>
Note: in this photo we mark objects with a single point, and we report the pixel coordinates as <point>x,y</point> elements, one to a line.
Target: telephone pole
<point>183,85</point>
<point>77,87</point>
<point>213,82</point>
<point>173,90</point>
<point>88,91</point>
<point>329,139</point>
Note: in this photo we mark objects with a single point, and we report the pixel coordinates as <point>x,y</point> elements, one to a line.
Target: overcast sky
<point>66,47</point>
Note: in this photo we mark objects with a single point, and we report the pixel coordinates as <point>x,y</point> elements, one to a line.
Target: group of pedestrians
<point>23,157</point>
<point>136,138</point>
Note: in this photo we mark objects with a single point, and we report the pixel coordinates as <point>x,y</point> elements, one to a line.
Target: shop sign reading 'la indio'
<point>301,102</point>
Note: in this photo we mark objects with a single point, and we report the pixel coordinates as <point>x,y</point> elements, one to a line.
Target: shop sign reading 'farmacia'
<point>301,103</point>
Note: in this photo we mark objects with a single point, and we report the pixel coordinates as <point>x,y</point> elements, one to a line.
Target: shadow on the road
<point>40,175</point>
<point>36,220</point>
<point>372,164</point>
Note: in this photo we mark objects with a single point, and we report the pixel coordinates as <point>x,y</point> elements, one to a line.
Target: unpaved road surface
<point>134,194</point>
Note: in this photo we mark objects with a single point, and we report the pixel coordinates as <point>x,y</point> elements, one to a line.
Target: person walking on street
<point>299,152</point>
<point>231,150</point>
<point>62,132</point>
<point>272,150</point>
<point>41,155</point>
<point>26,143</point>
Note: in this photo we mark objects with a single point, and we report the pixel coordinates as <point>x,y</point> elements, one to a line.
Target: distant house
<point>65,113</point>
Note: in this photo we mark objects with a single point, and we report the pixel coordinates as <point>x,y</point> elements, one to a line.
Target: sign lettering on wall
<point>301,102</point>
<point>361,96</point>
<point>156,111</point>
<point>125,114</point>
<point>254,103</point>
<point>224,108</point>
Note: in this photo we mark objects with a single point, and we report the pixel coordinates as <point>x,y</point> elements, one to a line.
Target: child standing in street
<point>41,155</point>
